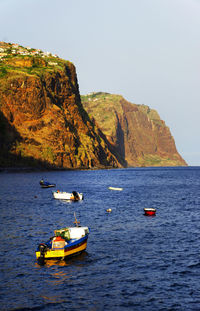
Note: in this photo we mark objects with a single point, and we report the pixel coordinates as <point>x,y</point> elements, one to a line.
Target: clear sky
<point>148,51</point>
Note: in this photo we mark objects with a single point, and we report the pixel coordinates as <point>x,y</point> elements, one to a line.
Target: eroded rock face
<point>135,132</point>
<point>42,119</point>
<point>44,123</point>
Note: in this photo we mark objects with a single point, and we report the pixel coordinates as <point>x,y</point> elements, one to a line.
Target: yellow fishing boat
<point>66,242</point>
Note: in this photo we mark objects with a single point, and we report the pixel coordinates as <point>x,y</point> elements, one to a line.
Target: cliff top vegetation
<point>16,59</point>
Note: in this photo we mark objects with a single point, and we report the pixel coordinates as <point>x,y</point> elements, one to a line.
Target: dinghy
<point>46,184</point>
<point>114,188</point>
<point>149,211</point>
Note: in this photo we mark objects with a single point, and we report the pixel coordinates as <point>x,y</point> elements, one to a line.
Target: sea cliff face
<point>42,120</point>
<point>136,133</point>
<point>44,123</point>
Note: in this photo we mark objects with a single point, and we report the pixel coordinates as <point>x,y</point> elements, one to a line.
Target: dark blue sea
<point>132,261</point>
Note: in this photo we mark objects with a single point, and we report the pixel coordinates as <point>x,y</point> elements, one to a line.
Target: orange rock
<point>43,120</point>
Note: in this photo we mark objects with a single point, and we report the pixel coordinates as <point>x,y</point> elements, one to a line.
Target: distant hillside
<point>42,120</point>
<point>136,134</point>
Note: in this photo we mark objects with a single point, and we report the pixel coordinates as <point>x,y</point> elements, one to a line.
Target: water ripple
<point>133,262</point>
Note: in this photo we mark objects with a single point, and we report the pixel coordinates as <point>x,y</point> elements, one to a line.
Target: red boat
<point>149,211</point>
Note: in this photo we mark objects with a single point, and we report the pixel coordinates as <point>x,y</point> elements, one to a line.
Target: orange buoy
<point>109,210</point>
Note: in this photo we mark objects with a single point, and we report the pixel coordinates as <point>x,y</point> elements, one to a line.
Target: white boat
<point>114,188</point>
<point>72,196</point>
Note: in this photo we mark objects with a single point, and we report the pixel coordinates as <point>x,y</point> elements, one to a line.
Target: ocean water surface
<point>132,262</point>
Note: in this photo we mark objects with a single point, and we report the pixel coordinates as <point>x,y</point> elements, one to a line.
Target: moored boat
<point>66,242</point>
<point>46,184</point>
<point>149,211</point>
<point>72,196</point>
<point>115,188</point>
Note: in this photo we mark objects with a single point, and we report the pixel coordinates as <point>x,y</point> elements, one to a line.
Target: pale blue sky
<point>146,50</point>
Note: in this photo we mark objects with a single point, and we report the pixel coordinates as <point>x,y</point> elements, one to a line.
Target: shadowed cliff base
<point>116,151</point>
<point>10,160</point>
<point>9,138</point>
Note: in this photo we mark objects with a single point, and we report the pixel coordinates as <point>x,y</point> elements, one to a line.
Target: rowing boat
<point>114,188</point>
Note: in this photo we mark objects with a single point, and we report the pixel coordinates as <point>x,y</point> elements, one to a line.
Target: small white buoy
<point>109,210</point>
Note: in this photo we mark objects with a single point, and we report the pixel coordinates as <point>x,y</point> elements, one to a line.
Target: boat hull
<point>149,211</point>
<point>47,186</point>
<point>114,188</point>
<point>66,196</point>
<point>72,249</point>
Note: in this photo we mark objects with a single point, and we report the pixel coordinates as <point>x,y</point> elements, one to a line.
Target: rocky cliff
<point>136,134</point>
<point>42,120</point>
